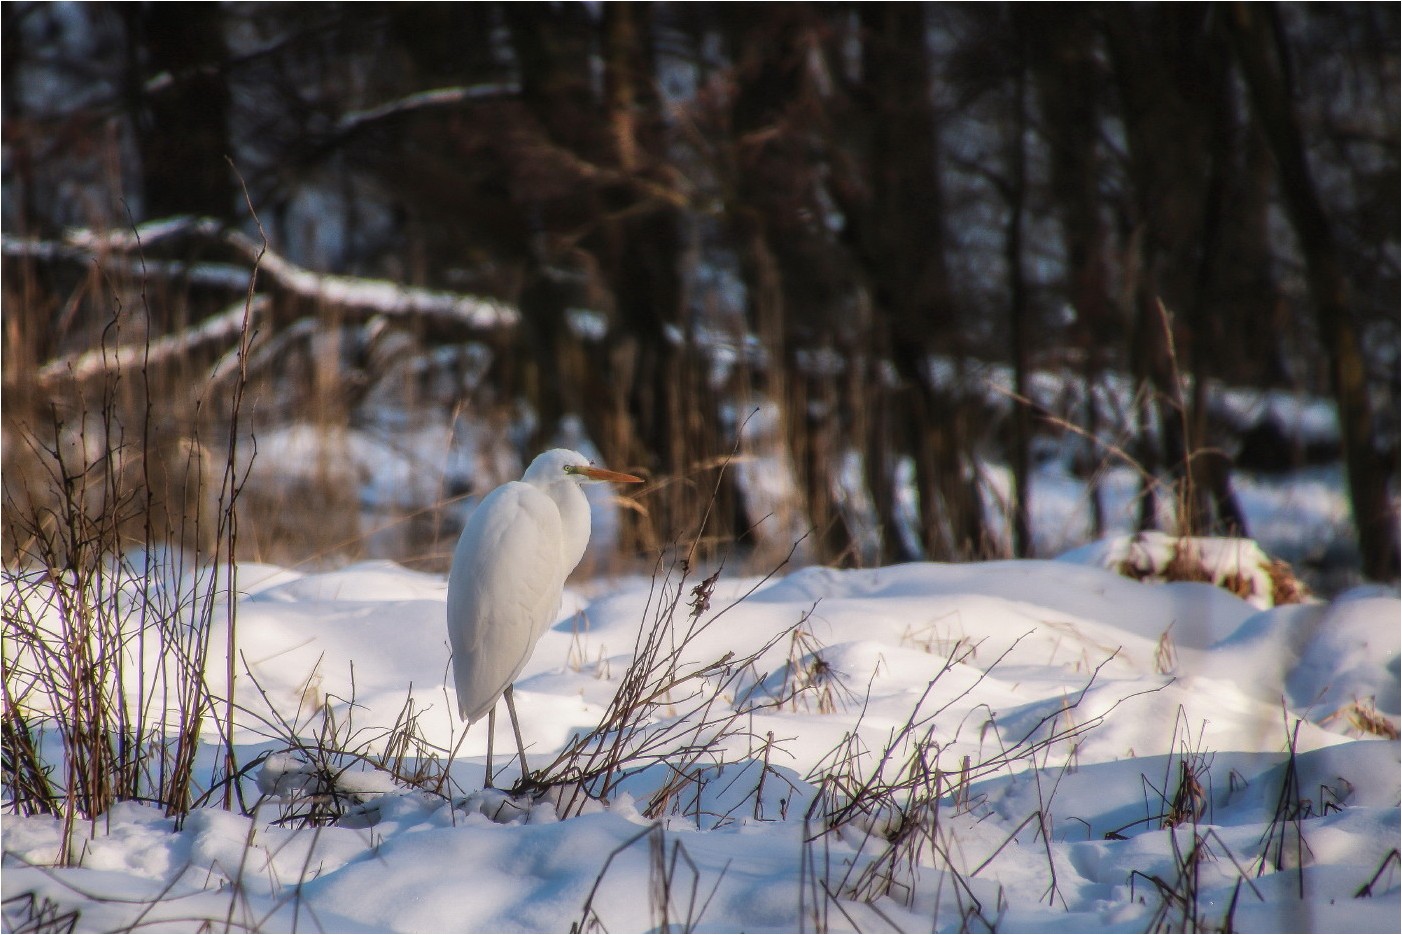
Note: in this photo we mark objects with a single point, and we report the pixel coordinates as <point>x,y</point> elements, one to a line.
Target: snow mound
<point>1019,745</point>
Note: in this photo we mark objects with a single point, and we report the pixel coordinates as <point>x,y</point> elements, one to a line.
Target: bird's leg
<point>491,729</point>
<point>516,727</point>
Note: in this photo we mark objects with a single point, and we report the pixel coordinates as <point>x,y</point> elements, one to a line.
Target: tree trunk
<point>1164,59</point>
<point>1259,42</point>
<point>1019,314</point>
<point>672,423</point>
<point>902,243</point>
<point>795,278</point>
<point>182,129</point>
<point>1069,79</point>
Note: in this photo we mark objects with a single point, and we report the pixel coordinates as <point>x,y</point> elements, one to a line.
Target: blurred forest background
<point>899,257</point>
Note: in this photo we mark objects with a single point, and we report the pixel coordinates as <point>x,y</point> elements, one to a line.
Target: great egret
<point>508,577</point>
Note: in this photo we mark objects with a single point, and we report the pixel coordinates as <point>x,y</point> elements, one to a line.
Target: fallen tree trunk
<point>437,315</point>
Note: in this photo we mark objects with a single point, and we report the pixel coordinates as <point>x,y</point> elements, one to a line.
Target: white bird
<point>508,578</point>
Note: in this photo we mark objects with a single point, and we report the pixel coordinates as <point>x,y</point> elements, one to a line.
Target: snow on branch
<point>122,253</point>
<point>371,296</point>
<point>143,236</point>
<point>439,97</point>
<point>377,296</point>
<point>217,330</point>
<point>211,275</point>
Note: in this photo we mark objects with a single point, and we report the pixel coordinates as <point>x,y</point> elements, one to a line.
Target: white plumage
<point>508,575</point>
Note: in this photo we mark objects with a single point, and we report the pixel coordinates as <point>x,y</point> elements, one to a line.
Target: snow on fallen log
<point>216,331</point>
<point>375,296</point>
<point>378,296</point>
<point>353,293</point>
<point>119,253</point>
<point>228,276</point>
<point>143,236</point>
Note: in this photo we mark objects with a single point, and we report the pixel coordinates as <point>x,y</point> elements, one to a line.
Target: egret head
<point>559,463</point>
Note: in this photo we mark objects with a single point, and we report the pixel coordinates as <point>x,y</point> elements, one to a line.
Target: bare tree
<point>1262,51</point>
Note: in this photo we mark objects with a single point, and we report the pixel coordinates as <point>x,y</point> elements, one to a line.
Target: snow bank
<point>1161,717</point>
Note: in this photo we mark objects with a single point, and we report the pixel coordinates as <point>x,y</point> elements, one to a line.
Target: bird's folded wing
<point>504,592</point>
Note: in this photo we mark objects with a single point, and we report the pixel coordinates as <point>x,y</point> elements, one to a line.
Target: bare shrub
<point>329,769</point>
<point>675,901</point>
<point>891,804</point>
<point>30,912</point>
<point>668,709</point>
<point>1283,844</point>
<point>117,577</point>
<point>809,677</point>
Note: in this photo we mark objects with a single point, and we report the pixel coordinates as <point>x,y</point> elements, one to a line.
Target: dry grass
<point>892,807</point>
<point>1366,719</point>
<point>1286,586</point>
<point>809,678</point>
<point>670,708</point>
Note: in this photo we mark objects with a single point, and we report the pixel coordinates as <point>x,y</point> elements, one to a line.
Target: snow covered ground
<point>1019,745</point>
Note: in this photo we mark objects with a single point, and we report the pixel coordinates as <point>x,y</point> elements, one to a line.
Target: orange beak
<point>594,473</point>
